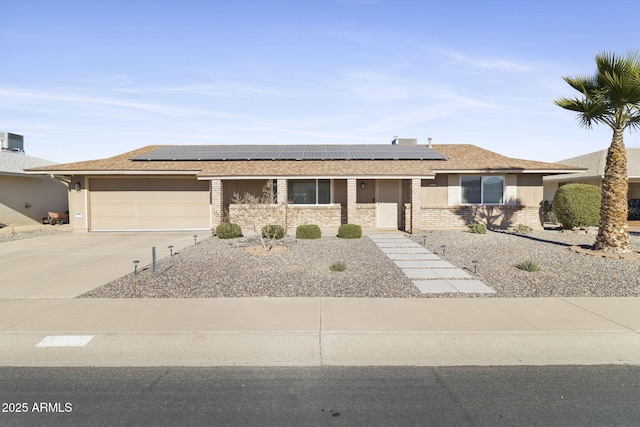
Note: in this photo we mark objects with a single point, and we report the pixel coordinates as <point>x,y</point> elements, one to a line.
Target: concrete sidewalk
<point>321,331</point>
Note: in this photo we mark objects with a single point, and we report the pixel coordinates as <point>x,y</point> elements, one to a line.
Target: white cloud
<point>9,97</point>
<point>484,63</point>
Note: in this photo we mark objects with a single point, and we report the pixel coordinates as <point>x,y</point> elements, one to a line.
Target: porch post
<point>283,195</point>
<point>217,208</point>
<point>416,218</point>
<point>352,190</point>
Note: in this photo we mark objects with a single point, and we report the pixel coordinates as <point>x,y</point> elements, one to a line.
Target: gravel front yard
<point>221,268</point>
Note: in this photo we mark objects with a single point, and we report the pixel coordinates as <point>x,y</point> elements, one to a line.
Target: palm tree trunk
<point>613,234</point>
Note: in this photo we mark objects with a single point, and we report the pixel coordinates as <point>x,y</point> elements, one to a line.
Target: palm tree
<point>612,97</point>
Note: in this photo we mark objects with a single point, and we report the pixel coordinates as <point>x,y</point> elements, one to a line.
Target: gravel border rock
<point>221,268</point>
<point>9,234</point>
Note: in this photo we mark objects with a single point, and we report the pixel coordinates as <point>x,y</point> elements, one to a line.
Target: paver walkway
<point>425,269</point>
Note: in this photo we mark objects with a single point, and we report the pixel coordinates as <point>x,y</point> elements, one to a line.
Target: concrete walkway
<point>427,270</point>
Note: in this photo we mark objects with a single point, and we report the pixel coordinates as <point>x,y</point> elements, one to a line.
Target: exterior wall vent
<point>11,142</point>
<point>405,141</point>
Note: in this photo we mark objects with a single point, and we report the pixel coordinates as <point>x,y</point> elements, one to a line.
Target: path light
<point>444,248</point>
<point>424,240</point>
<point>135,267</point>
<point>171,249</point>
<point>475,266</point>
<point>195,239</point>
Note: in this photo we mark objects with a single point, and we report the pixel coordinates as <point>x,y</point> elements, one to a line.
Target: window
<point>487,190</point>
<point>309,191</point>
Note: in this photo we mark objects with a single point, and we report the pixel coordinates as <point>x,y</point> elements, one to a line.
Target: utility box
<point>11,142</point>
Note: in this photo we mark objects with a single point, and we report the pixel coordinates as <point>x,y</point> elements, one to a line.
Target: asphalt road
<point>452,396</point>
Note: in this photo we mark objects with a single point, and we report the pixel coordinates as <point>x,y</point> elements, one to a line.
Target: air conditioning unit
<point>11,142</point>
<point>405,141</point>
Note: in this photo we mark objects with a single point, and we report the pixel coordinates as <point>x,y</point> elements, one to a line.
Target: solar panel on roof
<point>290,152</point>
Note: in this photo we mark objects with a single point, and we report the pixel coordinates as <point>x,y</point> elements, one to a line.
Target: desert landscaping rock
<point>223,268</point>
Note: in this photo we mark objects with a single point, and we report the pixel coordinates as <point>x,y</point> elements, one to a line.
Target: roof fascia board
<point>115,172</point>
<point>549,171</point>
<point>226,177</point>
<point>563,177</point>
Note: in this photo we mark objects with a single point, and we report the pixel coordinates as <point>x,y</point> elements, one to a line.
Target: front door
<point>389,192</point>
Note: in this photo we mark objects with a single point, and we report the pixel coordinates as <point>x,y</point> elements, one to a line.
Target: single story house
<point>593,173</point>
<point>25,199</point>
<point>403,185</point>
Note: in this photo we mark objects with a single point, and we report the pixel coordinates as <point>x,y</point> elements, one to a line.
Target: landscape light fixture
<point>475,266</point>
<point>444,248</point>
<point>171,249</point>
<point>195,239</point>
<point>135,267</point>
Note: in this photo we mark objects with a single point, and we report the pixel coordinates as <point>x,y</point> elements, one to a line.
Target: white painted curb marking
<point>65,341</point>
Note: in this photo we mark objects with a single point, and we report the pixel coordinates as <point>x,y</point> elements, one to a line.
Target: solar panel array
<point>290,152</point>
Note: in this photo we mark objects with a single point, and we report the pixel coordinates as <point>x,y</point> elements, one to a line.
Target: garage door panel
<point>149,204</point>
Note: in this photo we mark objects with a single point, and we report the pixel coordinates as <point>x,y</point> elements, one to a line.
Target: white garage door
<point>149,204</point>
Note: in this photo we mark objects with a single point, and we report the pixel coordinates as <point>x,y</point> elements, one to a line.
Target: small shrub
<point>522,229</point>
<point>578,205</point>
<point>350,231</point>
<point>477,228</point>
<point>275,232</point>
<point>528,265</point>
<point>228,230</point>
<point>338,266</point>
<point>308,231</point>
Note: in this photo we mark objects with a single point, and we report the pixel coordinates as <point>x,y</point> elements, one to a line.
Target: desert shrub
<point>228,230</point>
<point>528,265</point>
<point>477,228</point>
<point>338,266</point>
<point>308,231</point>
<point>274,232</point>
<point>577,205</point>
<point>522,229</point>
<point>350,231</point>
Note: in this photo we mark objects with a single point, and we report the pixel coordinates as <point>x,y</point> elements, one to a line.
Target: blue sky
<point>85,80</point>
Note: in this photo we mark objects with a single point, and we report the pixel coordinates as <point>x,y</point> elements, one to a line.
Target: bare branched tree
<point>255,212</point>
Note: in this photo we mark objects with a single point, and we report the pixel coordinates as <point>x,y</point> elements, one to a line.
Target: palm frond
<point>611,96</point>
<point>589,110</point>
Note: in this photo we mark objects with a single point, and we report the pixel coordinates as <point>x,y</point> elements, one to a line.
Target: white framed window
<point>309,191</point>
<point>482,190</point>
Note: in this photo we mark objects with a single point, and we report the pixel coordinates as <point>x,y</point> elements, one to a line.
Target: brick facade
<point>414,205</point>
<point>325,216</point>
<point>414,217</point>
<point>492,216</point>
<point>352,192</point>
<point>365,215</point>
<point>217,207</point>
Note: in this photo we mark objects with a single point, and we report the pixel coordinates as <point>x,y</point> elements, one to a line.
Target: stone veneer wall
<point>320,215</point>
<point>492,216</point>
<point>365,215</point>
<point>217,208</point>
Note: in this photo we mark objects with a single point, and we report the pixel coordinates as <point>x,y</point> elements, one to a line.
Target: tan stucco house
<point>403,185</point>
<point>25,199</point>
<point>593,165</point>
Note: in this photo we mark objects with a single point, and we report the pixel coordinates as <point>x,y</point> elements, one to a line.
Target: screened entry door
<point>389,191</point>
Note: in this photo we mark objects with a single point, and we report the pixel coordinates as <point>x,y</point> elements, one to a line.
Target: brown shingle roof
<point>460,157</point>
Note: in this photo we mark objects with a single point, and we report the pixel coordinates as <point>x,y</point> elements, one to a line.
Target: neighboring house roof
<point>12,163</point>
<point>455,158</point>
<point>595,163</point>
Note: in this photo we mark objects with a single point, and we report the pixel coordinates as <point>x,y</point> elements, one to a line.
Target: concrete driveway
<point>70,264</point>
